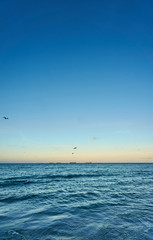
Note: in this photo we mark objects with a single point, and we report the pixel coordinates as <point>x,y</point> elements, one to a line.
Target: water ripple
<point>76,201</point>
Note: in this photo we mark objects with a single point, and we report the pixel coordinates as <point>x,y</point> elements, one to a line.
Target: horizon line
<point>73,162</point>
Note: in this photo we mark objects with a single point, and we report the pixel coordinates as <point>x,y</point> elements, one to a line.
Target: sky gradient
<point>76,73</point>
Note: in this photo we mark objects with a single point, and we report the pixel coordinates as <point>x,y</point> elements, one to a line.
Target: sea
<point>81,201</point>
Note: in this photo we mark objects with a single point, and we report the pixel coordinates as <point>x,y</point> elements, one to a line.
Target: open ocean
<point>76,201</point>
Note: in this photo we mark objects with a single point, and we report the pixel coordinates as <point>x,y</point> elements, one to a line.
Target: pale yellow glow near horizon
<point>78,157</point>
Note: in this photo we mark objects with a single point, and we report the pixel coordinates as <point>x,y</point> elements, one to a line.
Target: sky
<point>76,73</point>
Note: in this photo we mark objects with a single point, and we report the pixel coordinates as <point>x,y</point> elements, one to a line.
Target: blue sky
<point>76,73</point>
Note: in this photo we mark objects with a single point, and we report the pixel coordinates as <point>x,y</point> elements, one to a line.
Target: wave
<point>14,183</point>
<point>36,179</point>
<point>72,176</point>
<point>13,199</point>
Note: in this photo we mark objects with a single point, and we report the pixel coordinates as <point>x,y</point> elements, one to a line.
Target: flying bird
<point>75,148</point>
<point>5,118</point>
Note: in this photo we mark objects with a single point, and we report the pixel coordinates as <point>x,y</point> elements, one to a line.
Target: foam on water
<point>76,201</point>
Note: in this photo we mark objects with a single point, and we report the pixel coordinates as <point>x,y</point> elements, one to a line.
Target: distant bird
<point>5,118</point>
<point>75,148</point>
<point>72,153</point>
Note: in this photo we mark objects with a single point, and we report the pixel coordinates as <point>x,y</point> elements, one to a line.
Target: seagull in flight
<point>5,118</point>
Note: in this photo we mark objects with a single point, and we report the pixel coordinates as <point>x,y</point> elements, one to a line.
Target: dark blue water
<point>76,201</point>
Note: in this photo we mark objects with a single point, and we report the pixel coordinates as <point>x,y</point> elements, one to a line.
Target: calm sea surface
<point>76,201</point>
